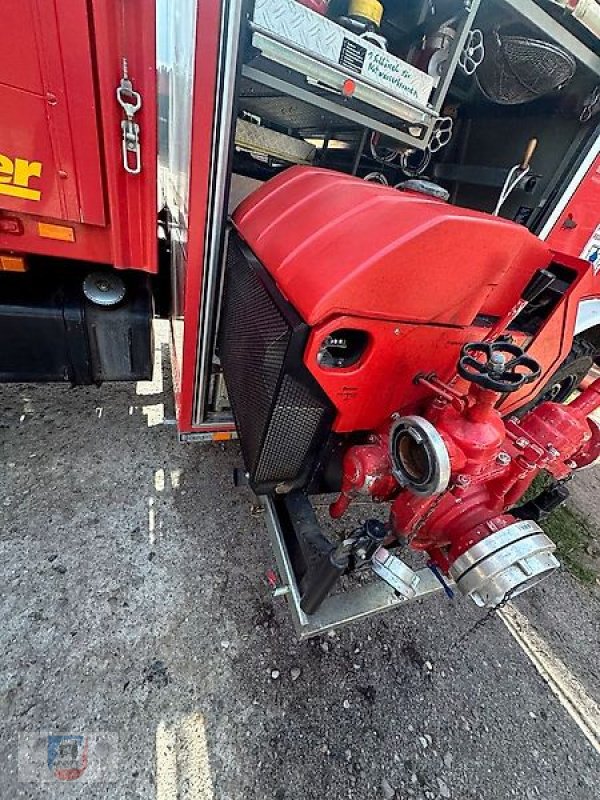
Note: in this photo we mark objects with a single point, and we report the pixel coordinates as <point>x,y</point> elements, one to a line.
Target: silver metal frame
<point>426,116</point>
<point>439,96</point>
<point>292,57</point>
<point>338,609</point>
<point>314,99</point>
<point>222,135</point>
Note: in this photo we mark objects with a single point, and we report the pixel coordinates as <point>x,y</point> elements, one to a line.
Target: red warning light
<point>348,87</point>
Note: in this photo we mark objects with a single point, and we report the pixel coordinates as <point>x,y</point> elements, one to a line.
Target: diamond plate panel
<point>322,38</point>
<point>298,24</point>
<point>259,139</point>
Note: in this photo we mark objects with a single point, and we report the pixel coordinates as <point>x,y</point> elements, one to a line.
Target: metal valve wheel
<point>499,372</point>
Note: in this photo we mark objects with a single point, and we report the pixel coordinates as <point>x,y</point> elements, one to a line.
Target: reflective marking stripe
<point>195,765</point>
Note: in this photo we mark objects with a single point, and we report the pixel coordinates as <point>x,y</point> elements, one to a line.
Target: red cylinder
<point>556,426</point>
<point>588,400</point>
<point>478,434</point>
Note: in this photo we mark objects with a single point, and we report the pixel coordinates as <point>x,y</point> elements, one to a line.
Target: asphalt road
<point>134,603</point>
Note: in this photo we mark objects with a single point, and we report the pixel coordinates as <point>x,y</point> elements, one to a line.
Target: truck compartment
<point>492,82</point>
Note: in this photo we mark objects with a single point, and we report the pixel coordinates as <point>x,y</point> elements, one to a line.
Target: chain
<point>426,516</point>
<point>492,611</point>
<point>482,621</point>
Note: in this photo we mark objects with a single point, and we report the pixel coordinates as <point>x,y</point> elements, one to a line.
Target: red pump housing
<point>433,277</point>
<point>424,336</point>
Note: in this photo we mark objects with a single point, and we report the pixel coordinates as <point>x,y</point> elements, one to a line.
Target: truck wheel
<point>571,372</point>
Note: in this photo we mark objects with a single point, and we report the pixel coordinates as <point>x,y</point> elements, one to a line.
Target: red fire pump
<point>383,344</point>
<point>453,473</point>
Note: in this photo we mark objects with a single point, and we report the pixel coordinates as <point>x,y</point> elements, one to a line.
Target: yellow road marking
<point>166,763</point>
<point>565,686</point>
<point>182,763</point>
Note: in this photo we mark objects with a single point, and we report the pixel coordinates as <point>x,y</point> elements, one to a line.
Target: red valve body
<point>493,463</point>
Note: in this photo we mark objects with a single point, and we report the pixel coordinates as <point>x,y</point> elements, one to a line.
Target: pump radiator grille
<point>283,416</point>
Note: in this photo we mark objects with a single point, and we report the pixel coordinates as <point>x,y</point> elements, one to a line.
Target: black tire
<point>570,374</point>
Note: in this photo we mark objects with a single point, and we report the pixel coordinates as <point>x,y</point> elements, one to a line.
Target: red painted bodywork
<point>581,216</point>
<point>419,276</point>
<point>576,225</point>
<point>60,65</point>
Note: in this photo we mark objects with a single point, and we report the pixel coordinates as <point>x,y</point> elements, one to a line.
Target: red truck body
<point>63,191</point>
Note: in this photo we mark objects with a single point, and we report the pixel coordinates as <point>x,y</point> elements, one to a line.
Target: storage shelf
<point>313,59</point>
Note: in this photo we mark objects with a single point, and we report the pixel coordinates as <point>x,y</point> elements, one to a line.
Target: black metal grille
<point>279,409</point>
<point>295,418</point>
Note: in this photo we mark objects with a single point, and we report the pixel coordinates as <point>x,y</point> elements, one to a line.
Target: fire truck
<point>375,230</point>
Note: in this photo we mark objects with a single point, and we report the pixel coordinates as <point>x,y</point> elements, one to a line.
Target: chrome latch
<point>131,102</point>
<point>395,573</point>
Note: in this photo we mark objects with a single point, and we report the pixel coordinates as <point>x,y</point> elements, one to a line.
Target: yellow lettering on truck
<point>15,177</point>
